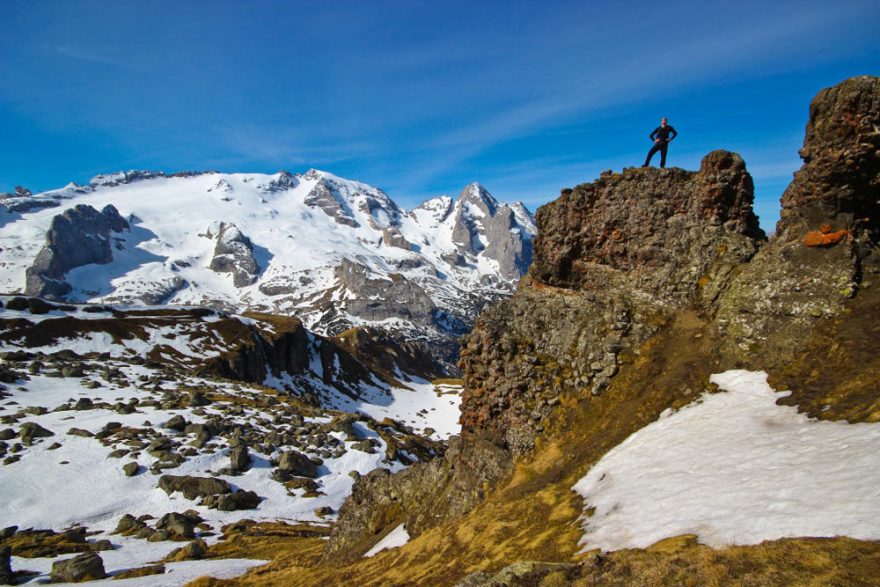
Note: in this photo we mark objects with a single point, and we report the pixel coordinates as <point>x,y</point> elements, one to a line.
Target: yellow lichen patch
<point>673,544</point>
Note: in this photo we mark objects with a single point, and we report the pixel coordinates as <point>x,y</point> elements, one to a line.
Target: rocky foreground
<point>643,285</point>
<point>136,438</point>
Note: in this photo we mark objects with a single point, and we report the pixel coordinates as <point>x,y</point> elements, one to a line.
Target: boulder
<point>195,550</point>
<point>296,464</point>
<point>178,526</point>
<point>85,567</point>
<point>240,500</point>
<point>193,487</point>
<point>177,423</point>
<point>239,459</point>
<point>129,525</point>
<point>31,430</point>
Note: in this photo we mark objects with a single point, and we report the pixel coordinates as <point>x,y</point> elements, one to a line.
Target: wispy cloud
<point>87,55</point>
<point>288,145</point>
<point>684,62</point>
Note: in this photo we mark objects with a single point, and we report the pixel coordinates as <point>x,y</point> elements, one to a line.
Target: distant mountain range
<point>334,252</point>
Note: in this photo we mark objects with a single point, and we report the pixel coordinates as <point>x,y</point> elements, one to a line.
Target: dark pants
<point>661,146</point>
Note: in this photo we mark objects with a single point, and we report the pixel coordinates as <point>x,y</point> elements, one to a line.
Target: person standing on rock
<point>661,137</point>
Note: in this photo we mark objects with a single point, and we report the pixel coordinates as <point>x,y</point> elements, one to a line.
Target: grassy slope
<point>534,514</point>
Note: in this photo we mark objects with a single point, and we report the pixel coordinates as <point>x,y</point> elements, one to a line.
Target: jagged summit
<point>842,133</point>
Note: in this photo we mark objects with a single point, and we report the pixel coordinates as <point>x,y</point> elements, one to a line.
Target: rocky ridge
<point>640,260</point>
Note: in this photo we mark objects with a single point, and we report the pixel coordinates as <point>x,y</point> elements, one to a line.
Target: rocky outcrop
<point>126,177</point>
<point>824,251</point>
<point>387,356</point>
<point>391,237</point>
<point>841,169</point>
<point>234,253</point>
<point>613,261</point>
<point>284,181</point>
<point>373,298</point>
<point>80,236</point>
<point>658,231</point>
<point>22,200</point>
<point>421,496</point>
<point>324,197</point>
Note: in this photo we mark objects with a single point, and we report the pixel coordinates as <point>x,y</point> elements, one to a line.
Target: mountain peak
<point>476,193</point>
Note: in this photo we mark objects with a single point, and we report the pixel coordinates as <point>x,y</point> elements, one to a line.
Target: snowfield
<point>74,477</point>
<point>301,227</point>
<point>735,468</point>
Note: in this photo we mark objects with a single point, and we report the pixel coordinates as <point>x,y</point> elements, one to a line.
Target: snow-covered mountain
<point>334,252</point>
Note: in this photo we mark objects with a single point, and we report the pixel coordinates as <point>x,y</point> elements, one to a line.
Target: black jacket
<point>662,133</point>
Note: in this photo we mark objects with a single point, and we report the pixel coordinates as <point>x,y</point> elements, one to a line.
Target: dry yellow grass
<point>533,515</point>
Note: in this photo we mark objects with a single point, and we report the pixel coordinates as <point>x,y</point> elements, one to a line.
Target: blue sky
<point>418,98</point>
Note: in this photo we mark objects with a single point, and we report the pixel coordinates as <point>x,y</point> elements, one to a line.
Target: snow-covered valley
<point>112,443</point>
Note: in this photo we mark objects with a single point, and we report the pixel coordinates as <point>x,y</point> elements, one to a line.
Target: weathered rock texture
<point>85,567</point>
<point>373,298</point>
<point>646,258</point>
<point>234,253</point>
<point>421,496</point>
<point>79,236</point>
<point>612,261</point>
<point>791,286</point>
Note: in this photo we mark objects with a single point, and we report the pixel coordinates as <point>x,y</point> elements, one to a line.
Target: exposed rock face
<point>284,181</point>
<point>380,299</point>
<point>384,355</point>
<point>391,237</point>
<point>841,163</point>
<point>422,495</point>
<point>85,567</point>
<point>323,197</point>
<point>482,224</point>
<point>79,236</point>
<point>613,260</point>
<point>655,230</point>
<point>825,247</point>
<point>234,253</point>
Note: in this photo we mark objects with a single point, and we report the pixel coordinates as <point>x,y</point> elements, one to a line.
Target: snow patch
<point>735,468</point>
<point>394,539</point>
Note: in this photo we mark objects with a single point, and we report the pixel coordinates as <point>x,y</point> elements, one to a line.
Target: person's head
<point>663,121</point>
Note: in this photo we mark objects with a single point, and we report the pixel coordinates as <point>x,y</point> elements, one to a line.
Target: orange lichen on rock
<point>824,237</point>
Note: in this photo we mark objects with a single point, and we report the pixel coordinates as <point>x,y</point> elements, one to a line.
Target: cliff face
<point>613,261</point>
<point>656,231</point>
<point>822,263</point>
<point>77,237</point>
